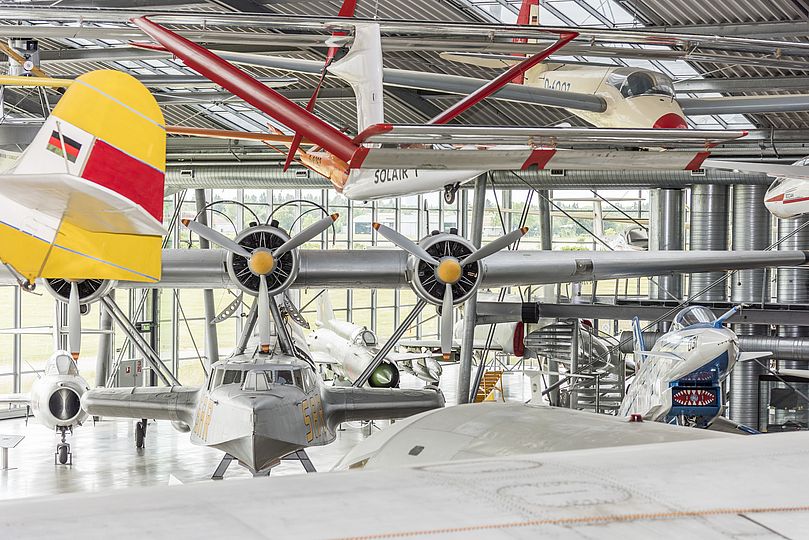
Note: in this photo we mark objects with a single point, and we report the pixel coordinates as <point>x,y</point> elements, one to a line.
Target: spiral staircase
<point>599,385</point>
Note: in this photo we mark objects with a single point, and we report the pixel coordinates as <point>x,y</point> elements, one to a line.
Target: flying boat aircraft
<point>259,407</point>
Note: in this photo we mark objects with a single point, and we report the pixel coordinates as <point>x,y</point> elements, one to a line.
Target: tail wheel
<point>62,451</point>
<point>140,434</point>
<point>451,193</point>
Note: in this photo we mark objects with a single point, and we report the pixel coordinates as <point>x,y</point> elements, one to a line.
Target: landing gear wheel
<point>140,434</point>
<point>450,192</point>
<point>63,456</point>
<point>62,451</point>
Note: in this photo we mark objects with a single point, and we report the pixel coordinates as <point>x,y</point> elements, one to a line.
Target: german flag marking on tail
<point>71,147</point>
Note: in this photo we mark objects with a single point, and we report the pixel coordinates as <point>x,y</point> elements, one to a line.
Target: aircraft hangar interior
<point>251,289</point>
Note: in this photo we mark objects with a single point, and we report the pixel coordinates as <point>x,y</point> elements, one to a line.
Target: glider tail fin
<point>528,16</point>
<point>325,313</point>
<point>361,67</point>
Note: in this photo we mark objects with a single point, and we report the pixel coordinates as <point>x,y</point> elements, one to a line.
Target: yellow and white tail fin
<point>85,200</point>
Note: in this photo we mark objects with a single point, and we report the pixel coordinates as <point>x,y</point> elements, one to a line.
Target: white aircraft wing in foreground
<point>732,487</point>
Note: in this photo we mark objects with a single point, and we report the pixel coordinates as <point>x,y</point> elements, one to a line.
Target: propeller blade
<point>217,238</point>
<point>405,243</point>
<point>74,321</point>
<point>495,245</point>
<point>446,323</point>
<point>263,314</point>
<point>305,235</point>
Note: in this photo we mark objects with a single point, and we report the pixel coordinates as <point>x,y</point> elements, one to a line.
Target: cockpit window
<point>308,380</point>
<point>693,315</point>
<point>233,376</point>
<point>632,82</point>
<point>368,338</point>
<point>61,365</point>
<point>257,380</point>
<point>283,376</point>
<point>777,183</point>
<point>260,379</point>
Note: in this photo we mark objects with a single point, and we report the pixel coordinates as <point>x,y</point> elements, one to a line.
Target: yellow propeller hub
<point>449,271</point>
<point>261,262</point>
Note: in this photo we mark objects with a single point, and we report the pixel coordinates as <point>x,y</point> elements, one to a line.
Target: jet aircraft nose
<point>671,121</point>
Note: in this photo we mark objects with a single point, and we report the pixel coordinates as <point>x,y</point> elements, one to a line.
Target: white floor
<point>105,457</point>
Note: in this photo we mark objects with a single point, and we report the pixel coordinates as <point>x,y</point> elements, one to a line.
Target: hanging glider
<point>360,169</point>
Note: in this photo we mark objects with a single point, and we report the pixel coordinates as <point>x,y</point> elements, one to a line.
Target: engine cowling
<point>90,290</point>
<point>386,375</point>
<point>421,276</point>
<point>286,266</point>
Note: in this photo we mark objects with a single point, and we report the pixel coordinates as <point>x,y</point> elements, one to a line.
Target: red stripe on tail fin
<point>524,18</point>
<point>346,10</point>
<point>113,169</point>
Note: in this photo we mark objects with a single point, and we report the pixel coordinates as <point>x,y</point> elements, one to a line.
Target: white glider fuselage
<point>369,184</point>
<point>635,97</point>
<point>789,197</point>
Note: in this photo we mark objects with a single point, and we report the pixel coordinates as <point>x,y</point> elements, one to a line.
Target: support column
<point>470,308</point>
<point>546,227</point>
<point>666,234</point>
<point>105,341</point>
<point>573,395</point>
<point>211,339</point>
<point>16,358</point>
<point>751,231</point>
<point>546,244</point>
<point>793,288</point>
<point>709,231</point>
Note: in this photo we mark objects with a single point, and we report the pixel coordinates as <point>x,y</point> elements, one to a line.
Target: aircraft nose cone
<point>775,205</point>
<point>261,262</point>
<point>670,121</point>
<point>255,403</point>
<point>449,271</point>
